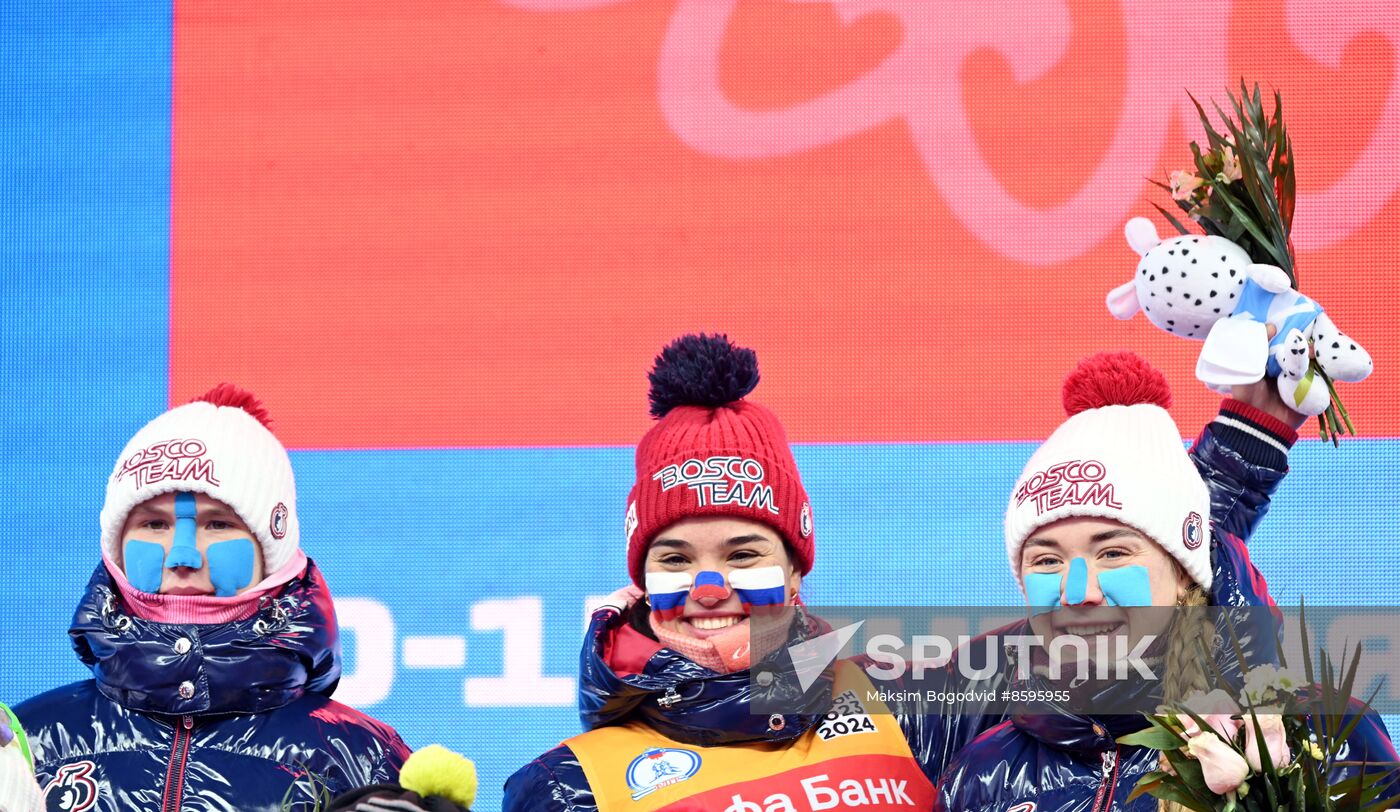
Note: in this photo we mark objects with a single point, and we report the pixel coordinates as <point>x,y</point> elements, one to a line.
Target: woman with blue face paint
<point>211,636</point>
<point>1111,516</point>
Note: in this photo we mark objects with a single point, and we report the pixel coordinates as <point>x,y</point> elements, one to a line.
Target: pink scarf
<point>202,609</point>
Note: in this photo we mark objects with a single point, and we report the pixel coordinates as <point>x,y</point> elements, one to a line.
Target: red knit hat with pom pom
<point>218,444</point>
<point>1119,456</point>
<point>713,452</point>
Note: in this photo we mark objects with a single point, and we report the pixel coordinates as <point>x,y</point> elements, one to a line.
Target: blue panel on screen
<point>518,540</point>
<point>84,295</point>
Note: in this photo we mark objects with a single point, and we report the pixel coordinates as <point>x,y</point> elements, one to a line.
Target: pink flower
<point>1164,764</point>
<point>1217,709</point>
<point>1222,766</point>
<point>1230,166</point>
<point>1271,725</point>
<point>1184,185</point>
<point>1225,725</point>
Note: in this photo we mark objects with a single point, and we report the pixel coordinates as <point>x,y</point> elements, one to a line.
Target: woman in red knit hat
<point>718,529</point>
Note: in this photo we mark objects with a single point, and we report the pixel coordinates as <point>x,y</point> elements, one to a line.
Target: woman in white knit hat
<point>210,635</point>
<point>1111,513</point>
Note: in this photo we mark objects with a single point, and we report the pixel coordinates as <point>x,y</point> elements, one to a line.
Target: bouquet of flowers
<point>1243,189</point>
<point>1277,746</point>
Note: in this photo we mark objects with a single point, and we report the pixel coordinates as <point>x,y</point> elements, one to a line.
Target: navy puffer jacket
<point>205,717</point>
<point>713,709</point>
<point>1050,760</point>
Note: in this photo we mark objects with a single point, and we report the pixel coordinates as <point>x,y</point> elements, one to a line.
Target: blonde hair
<point>1185,673</point>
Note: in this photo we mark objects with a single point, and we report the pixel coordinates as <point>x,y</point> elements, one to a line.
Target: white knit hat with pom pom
<point>219,444</point>
<point>1119,456</point>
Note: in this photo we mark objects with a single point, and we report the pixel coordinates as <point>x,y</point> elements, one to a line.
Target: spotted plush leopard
<point>1206,288</point>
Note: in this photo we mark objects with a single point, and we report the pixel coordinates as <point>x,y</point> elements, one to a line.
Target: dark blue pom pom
<point>701,370</point>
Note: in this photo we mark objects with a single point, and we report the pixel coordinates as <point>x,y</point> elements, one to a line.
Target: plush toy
<point>1234,286</point>
<point>1205,287</point>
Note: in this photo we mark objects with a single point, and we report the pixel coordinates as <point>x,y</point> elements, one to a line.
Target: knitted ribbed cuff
<point>1258,437</point>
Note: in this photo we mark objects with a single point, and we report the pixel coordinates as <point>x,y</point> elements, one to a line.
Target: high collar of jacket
<point>288,647</point>
<point>626,677</point>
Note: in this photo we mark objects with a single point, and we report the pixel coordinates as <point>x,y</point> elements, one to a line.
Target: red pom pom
<point>1114,378</point>
<point>226,394</point>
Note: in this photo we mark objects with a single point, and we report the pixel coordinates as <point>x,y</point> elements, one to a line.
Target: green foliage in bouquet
<point>1244,190</point>
<point>1258,753</point>
<point>318,789</point>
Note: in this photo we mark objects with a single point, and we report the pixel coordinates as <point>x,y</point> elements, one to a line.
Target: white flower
<point>1263,684</point>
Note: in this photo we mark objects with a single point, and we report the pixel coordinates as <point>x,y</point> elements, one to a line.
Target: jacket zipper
<point>175,772</point>
<point>1110,776</point>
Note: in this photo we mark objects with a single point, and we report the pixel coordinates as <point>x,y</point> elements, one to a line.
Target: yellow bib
<point>855,758</point>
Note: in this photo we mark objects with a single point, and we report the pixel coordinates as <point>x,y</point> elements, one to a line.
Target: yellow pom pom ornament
<point>437,771</point>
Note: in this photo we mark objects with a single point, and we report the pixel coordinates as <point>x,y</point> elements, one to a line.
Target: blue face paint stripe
<point>1077,582</point>
<point>1043,591</point>
<point>1123,586</point>
<point>143,563</point>
<point>183,552</point>
<point>1126,586</point>
<point>230,566</point>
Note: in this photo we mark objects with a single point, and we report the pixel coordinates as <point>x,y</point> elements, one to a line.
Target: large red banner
<point>473,223</point>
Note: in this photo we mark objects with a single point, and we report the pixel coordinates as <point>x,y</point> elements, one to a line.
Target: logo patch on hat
<point>721,481</point>
<point>804,525</point>
<point>630,524</point>
<point>1192,530</point>
<point>169,459</point>
<point>278,525</point>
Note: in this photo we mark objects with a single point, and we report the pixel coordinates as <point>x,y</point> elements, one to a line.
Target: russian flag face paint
<point>760,586</point>
<point>709,585</point>
<point>667,593</point>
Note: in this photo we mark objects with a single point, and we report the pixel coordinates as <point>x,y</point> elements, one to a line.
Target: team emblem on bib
<point>72,789</point>
<point>659,768</point>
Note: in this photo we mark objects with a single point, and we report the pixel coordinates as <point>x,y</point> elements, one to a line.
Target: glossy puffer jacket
<point>1046,759</point>
<point>205,717</point>
<point>688,703</point>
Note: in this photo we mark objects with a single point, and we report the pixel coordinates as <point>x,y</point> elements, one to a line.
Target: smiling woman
<point>1110,516</point>
<point>720,532</point>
